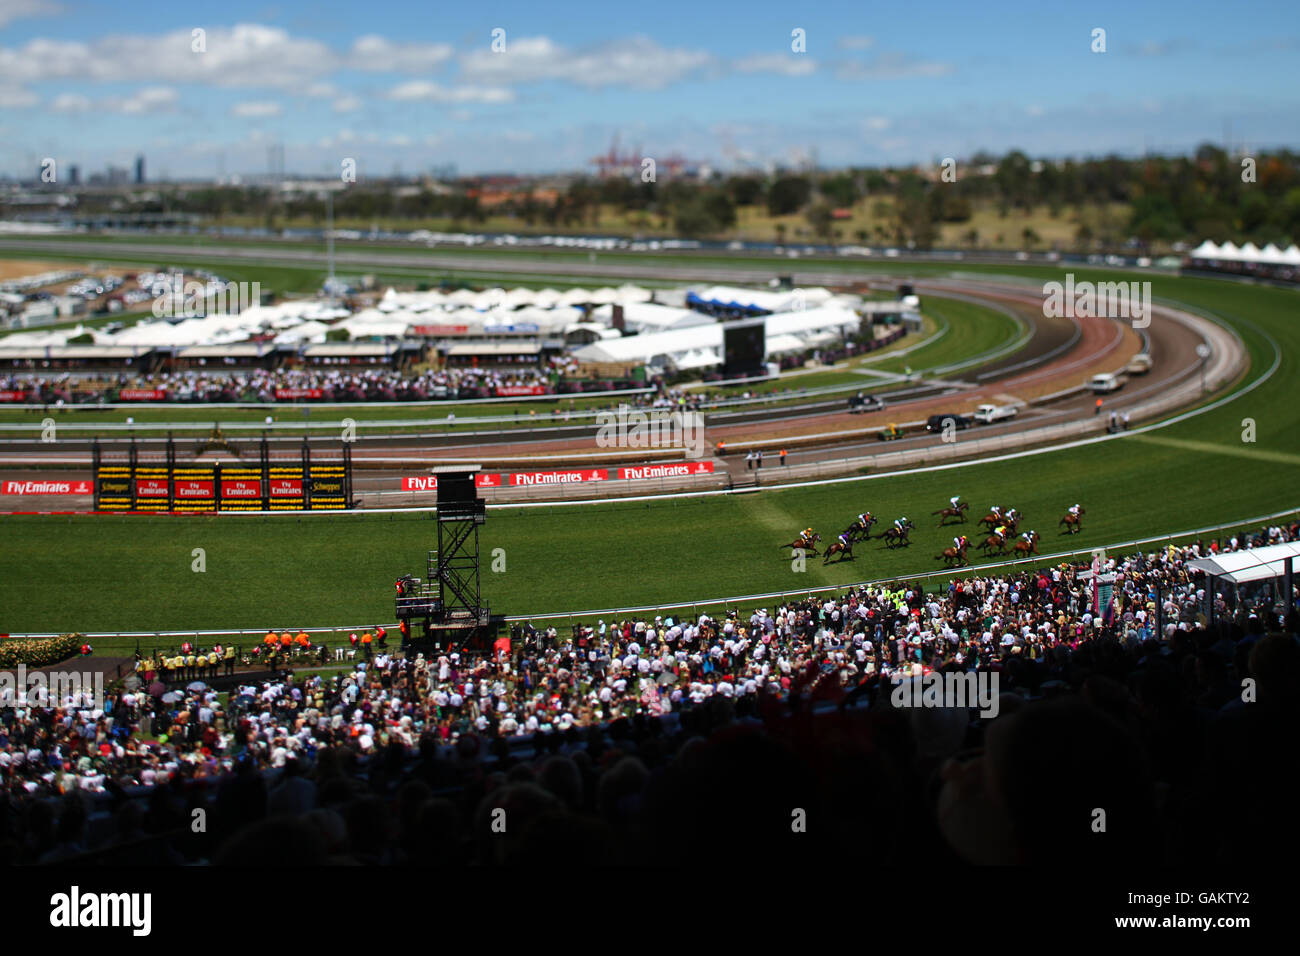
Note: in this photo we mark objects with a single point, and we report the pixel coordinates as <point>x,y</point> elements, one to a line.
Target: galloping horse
<point>945,513</point>
<point>1073,523</point>
<point>801,545</point>
<point>894,537</point>
<point>952,556</point>
<point>993,544</point>
<point>858,528</point>
<point>1023,548</point>
<point>1010,518</point>
<point>840,548</point>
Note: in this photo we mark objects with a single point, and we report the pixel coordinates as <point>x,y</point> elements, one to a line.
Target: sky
<point>413,86</point>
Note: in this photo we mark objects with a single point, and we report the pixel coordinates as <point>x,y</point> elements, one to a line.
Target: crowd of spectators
<point>1173,708</point>
<point>334,384</point>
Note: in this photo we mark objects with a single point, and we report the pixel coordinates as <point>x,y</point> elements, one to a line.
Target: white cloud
<point>70,103</point>
<point>149,99</point>
<point>11,10</point>
<point>247,55</point>
<point>429,92</point>
<point>787,64</point>
<point>858,42</point>
<point>256,109</point>
<point>877,123</point>
<point>347,104</point>
<point>379,54</point>
<point>892,66</point>
<point>638,62</point>
<point>15,97</point>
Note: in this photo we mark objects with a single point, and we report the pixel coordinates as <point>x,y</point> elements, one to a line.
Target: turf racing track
<point>1229,459</point>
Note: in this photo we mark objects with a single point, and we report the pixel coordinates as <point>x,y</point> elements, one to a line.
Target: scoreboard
<point>288,485</point>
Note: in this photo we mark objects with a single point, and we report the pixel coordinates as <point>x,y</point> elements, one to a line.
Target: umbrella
<point>196,685</point>
<point>171,697</point>
<point>156,688</point>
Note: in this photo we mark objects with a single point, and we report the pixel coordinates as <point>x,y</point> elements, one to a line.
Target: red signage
<point>237,488</point>
<point>291,393</point>
<point>12,396</point>
<point>430,483</point>
<point>439,329</point>
<point>676,470</point>
<point>141,395</point>
<point>47,488</point>
<point>192,488</point>
<point>557,477</point>
<point>151,487</point>
<point>286,487</point>
<point>506,391</point>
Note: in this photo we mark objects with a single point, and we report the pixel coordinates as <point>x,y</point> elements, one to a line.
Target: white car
<point>988,414</point>
<point>1105,383</point>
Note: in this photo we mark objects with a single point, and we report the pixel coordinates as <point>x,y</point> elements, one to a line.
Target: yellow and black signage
<point>281,486</point>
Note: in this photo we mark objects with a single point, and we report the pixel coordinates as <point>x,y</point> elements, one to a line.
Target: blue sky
<point>410,85</point>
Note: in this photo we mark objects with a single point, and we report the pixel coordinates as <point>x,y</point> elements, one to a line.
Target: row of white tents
<point>663,332</point>
<point>1270,255</point>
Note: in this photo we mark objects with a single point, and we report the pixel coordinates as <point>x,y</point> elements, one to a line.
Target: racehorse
<point>858,528</point>
<point>840,548</point>
<point>945,513</point>
<point>1073,523</point>
<point>894,537</point>
<point>801,545</point>
<point>993,543</point>
<point>1023,548</point>
<point>1010,518</point>
<point>953,555</point>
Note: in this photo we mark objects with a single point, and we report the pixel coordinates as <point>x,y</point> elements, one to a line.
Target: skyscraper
<point>139,169</point>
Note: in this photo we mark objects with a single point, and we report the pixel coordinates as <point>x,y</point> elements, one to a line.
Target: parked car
<point>1105,383</point>
<point>865,403</point>
<point>988,414</point>
<point>1140,364</point>
<point>935,423</point>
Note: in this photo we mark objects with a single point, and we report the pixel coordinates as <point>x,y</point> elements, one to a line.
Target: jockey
<point>959,542</point>
<point>900,524</point>
<point>1013,514</point>
<point>1001,532</point>
<point>806,534</point>
<point>996,511</point>
<point>1028,535</point>
<point>1074,510</point>
<point>955,499</point>
<point>864,519</point>
<point>844,540</point>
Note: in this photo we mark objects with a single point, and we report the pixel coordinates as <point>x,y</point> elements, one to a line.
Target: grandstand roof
<point>1257,564</point>
<point>701,345</point>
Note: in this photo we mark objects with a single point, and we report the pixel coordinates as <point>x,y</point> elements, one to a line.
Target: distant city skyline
<point>395,87</point>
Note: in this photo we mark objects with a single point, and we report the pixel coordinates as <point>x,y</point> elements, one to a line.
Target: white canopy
<point>1256,564</point>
